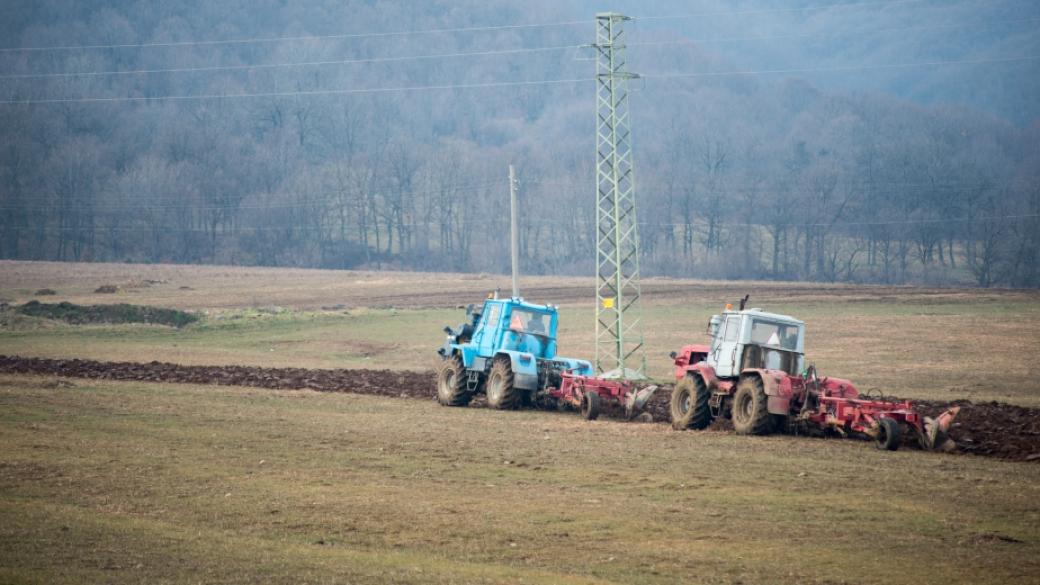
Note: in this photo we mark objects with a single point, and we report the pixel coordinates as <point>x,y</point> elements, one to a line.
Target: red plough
<point>842,411</point>
<point>588,394</point>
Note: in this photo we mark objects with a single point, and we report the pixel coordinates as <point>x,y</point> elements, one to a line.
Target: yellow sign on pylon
<point>608,303</point>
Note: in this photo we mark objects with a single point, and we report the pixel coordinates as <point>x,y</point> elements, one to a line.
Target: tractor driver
<point>536,324</point>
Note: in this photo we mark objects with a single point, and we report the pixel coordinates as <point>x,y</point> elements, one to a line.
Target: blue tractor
<point>507,351</point>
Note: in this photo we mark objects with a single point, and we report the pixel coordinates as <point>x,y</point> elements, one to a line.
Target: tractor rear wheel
<point>750,409</point>
<point>451,383</point>
<point>689,405</point>
<point>501,393</point>
<point>590,405</point>
<point>889,435</point>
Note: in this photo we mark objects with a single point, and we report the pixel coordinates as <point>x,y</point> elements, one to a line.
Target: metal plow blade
<point>637,401</point>
<point>936,435</point>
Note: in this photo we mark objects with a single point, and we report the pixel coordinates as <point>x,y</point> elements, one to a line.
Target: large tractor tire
<point>501,393</point>
<point>451,383</point>
<point>750,409</point>
<point>689,405</point>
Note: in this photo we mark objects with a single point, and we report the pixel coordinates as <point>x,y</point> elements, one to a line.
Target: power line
<point>839,68</point>
<point>469,29</point>
<point>829,34</point>
<point>501,84</point>
<point>813,8</point>
<point>479,186</point>
<point>891,187</point>
<point>298,38</point>
<point>880,223</point>
<point>516,51</point>
<point>332,226</point>
<point>311,93</point>
<point>296,64</point>
<point>501,221</point>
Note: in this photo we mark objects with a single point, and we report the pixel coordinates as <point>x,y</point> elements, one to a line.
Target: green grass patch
<point>110,314</point>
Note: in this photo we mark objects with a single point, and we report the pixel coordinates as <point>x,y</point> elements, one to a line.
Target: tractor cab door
<point>724,352</point>
<point>488,331</point>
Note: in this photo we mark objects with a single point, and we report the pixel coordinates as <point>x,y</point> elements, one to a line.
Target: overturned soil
<point>994,429</point>
<point>989,429</point>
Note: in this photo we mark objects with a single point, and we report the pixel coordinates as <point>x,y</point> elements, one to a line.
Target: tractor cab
<point>515,325</point>
<point>755,339</point>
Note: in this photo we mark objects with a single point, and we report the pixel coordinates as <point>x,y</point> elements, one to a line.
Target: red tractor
<point>754,373</point>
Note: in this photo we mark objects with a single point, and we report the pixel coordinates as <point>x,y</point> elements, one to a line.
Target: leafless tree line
<point>736,177</point>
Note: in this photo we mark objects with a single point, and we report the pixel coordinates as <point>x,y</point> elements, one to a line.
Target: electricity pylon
<point>619,327</point>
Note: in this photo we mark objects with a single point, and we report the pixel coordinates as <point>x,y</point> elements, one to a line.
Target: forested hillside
<point>894,142</point>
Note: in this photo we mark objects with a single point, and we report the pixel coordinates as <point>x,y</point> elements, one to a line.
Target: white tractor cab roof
<point>770,329</point>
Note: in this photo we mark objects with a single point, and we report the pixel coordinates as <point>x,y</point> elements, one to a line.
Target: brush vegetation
<point>114,314</point>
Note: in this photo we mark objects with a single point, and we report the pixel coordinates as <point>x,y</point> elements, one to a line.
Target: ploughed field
<point>289,434</point>
<point>990,429</point>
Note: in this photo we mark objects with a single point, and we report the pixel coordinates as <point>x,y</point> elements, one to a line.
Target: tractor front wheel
<point>689,405</point>
<point>590,405</point>
<point>451,383</point>
<point>889,435</point>
<point>501,393</point>
<point>750,411</point>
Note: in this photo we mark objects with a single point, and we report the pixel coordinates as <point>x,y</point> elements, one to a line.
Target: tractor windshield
<point>527,321</point>
<point>784,336</point>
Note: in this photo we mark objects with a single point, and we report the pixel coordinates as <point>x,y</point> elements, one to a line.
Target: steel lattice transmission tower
<point>619,328</point>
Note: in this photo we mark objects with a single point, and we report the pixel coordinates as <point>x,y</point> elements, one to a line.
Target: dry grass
<point>224,287</point>
<point>922,343</point>
<point>132,483</point>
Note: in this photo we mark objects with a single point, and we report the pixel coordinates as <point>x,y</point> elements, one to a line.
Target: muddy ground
<point>989,429</point>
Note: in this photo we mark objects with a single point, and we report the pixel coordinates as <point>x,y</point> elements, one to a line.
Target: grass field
<point>919,343</point>
<point>140,483</point>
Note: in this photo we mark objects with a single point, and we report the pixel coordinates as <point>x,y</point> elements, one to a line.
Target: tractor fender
<point>525,369</point>
<point>687,357</point>
<point>467,352</point>
<point>777,385</point>
<point>707,374</point>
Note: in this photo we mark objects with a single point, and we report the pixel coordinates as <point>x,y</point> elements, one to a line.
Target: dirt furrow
<point>989,429</point>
